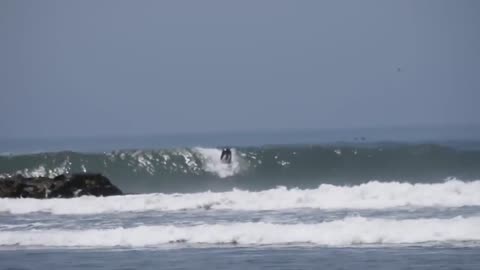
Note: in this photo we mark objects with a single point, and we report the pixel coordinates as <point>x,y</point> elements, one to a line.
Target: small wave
<point>346,232</point>
<point>372,195</point>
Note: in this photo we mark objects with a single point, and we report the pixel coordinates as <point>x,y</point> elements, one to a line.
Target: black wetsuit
<point>226,155</point>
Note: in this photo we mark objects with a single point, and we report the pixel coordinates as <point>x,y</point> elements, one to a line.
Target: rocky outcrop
<point>62,186</point>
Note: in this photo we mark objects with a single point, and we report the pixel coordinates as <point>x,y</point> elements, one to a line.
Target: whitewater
<point>371,195</point>
<point>349,231</point>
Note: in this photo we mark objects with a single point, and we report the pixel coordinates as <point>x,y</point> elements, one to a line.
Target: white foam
<point>283,163</point>
<point>213,164</point>
<point>372,195</point>
<point>36,172</point>
<point>189,161</point>
<point>144,161</point>
<point>41,171</point>
<point>345,232</point>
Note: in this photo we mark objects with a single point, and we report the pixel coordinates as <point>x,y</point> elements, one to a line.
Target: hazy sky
<point>139,67</point>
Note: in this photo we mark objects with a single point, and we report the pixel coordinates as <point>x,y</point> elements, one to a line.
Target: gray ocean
<point>360,202</point>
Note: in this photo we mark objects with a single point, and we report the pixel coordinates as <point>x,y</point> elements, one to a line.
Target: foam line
<point>371,195</point>
<point>345,232</point>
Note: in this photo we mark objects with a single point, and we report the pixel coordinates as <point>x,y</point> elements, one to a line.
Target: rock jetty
<point>62,186</point>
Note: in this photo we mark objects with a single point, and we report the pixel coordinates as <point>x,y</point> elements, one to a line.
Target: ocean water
<point>354,205</point>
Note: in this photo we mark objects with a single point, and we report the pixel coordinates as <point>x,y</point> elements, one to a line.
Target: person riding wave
<point>226,156</point>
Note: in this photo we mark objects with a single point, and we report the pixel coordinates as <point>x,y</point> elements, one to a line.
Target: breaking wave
<point>255,168</point>
<point>355,231</point>
<point>372,195</point>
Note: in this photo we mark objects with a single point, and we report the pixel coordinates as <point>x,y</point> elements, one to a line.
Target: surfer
<point>226,156</point>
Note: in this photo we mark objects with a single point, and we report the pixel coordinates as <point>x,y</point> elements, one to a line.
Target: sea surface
<point>305,204</point>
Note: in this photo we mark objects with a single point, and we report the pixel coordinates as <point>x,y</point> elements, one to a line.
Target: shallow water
<point>391,258</point>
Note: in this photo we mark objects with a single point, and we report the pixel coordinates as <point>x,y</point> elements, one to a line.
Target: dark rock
<point>62,186</point>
